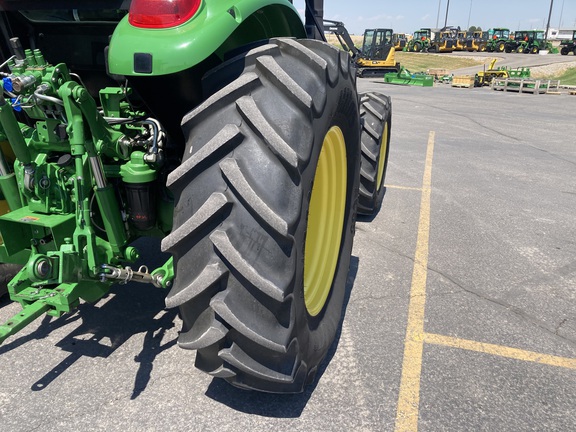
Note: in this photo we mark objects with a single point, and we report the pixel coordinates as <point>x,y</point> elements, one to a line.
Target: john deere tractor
<point>421,41</point>
<point>532,41</point>
<point>517,42</point>
<point>568,45</point>
<point>229,129</point>
<point>497,38</point>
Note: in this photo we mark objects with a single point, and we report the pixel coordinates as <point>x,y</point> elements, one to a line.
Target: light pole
<point>438,16</point>
<point>469,15</point>
<point>548,25</point>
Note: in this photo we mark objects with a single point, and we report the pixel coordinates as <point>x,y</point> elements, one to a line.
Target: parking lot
<point>460,314</point>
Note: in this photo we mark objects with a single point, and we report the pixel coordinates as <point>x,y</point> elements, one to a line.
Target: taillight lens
<point>161,13</point>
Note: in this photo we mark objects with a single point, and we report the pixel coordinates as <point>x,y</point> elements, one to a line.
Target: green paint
<point>136,170</point>
<point>405,77</point>
<point>216,28</point>
<point>70,222</point>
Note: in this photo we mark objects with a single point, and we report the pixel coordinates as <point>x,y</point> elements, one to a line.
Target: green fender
<point>218,27</point>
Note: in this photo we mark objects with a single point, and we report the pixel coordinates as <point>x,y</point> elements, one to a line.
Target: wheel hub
<point>325,221</point>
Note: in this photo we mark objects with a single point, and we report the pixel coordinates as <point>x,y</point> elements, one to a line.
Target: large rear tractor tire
<point>265,210</point>
<point>376,112</point>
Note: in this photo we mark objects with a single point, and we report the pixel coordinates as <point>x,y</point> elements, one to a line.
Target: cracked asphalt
<point>500,285</point>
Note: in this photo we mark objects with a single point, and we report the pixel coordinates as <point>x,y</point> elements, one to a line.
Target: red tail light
<point>161,13</point>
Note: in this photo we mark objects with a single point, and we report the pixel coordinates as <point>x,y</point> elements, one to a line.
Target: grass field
<point>416,62</point>
<point>568,77</point>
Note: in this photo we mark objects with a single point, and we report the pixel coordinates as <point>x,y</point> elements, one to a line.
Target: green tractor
<point>230,130</point>
<point>517,42</point>
<point>535,42</point>
<point>568,45</point>
<point>421,41</point>
<point>497,38</point>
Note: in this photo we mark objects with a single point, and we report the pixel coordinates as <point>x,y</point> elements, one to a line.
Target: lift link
<point>66,296</point>
<point>126,274</point>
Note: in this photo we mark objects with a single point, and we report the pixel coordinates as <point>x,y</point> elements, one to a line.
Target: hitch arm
<point>22,319</point>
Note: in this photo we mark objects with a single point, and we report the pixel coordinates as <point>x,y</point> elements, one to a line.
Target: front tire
<point>376,112</point>
<point>265,210</point>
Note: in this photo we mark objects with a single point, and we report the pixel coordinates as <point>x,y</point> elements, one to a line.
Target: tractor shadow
<point>275,405</point>
<point>100,329</point>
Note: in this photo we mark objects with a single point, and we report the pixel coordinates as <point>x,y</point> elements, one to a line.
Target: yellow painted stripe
<point>409,398</point>
<point>403,187</point>
<point>500,350</point>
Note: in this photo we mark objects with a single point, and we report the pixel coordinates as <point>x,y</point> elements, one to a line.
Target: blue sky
<point>405,16</point>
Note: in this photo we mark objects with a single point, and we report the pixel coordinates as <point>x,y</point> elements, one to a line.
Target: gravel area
<point>555,69</point>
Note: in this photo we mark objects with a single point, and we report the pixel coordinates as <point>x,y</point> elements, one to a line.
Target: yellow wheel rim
<point>325,221</point>
<point>382,157</point>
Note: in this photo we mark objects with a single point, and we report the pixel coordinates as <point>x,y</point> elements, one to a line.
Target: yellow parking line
<point>409,397</point>
<point>403,187</point>
<point>500,350</point>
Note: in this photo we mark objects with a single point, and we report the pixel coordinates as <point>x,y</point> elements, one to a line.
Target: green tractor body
<point>497,38</point>
<point>535,41</point>
<point>217,126</point>
<point>528,42</point>
<point>517,42</point>
<point>421,40</point>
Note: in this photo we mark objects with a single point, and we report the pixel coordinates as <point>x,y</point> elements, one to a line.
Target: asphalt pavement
<point>460,313</point>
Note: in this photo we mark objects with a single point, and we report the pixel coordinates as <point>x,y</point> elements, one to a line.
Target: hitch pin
<point>127,274</point>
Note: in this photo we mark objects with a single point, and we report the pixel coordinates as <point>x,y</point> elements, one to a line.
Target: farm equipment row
<point>451,39</point>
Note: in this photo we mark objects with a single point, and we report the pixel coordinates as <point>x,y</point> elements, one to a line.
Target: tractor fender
<point>216,28</point>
